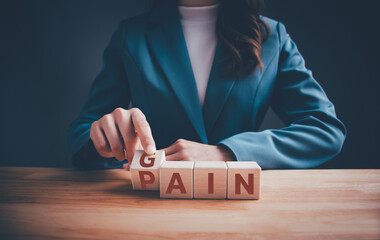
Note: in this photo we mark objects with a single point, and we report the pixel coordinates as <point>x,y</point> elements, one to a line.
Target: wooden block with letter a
<point>176,179</point>
<point>243,180</point>
<point>210,179</point>
<point>145,170</point>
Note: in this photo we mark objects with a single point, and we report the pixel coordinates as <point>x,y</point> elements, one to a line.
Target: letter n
<point>239,181</point>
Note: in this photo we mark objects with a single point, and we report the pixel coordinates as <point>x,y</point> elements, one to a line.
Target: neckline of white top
<point>198,14</point>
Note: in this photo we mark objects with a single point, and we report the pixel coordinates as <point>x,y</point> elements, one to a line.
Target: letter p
<point>144,181</point>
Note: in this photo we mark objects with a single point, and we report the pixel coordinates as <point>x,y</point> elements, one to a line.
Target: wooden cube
<point>145,170</point>
<point>176,179</point>
<point>243,180</point>
<point>210,179</point>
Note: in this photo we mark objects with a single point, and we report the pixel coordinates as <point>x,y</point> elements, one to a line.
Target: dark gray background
<point>50,52</point>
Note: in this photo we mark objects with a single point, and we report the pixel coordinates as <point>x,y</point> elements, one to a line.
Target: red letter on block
<point>240,181</point>
<point>180,185</point>
<point>144,182</point>
<point>142,162</point>
<point>210,183</point>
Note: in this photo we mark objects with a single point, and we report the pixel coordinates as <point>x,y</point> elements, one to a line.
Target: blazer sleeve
<point>108,91</point>
<point>312,133</point>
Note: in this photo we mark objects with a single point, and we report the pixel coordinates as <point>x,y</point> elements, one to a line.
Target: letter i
<point>210,183</point>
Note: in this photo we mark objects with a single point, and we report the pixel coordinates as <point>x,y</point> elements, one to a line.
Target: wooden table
<point>48,203</point>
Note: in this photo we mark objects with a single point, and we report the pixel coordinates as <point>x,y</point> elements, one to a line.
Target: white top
<point>198,24</point>
<point>242,165</point>
<point>210,164</point>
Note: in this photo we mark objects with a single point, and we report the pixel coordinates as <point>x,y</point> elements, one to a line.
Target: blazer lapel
<point>168,46</point>
<point>219,87</point>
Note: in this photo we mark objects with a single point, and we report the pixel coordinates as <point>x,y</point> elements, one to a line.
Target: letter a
<point>179,186</point>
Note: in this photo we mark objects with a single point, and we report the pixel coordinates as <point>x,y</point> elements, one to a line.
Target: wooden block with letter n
<point>210,179</point>
<point>145,170</point>
<point>243,180</point>
<point>176,179</point>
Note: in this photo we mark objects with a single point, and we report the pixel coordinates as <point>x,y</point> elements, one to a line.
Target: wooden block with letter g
<point>243,180</point>
<point>210,180</point>
<point>176,179</point>
<point>145,170</point>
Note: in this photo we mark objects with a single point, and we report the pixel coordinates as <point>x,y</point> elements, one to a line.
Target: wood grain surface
<point>47,203</point>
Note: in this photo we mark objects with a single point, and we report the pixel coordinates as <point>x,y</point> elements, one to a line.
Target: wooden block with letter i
<point>176,179</point>
<point>145,170</point>
<point>243,180</point>
<point>210,179</point>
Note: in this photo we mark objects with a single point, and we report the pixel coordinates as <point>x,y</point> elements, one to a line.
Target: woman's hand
<point>122,132</point>
<point>184,150</point>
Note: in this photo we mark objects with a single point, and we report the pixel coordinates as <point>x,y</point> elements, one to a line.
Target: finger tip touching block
<point>145,170</point>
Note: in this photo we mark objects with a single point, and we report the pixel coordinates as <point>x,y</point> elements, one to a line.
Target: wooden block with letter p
<point>176,179</point>
<point>145,170</point>
<point>210,179</point>
<point>243,180</point>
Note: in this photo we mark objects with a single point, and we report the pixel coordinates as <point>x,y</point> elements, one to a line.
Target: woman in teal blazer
<point>147,65</point>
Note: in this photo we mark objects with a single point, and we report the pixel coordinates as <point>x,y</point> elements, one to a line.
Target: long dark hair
<point>240,29</point>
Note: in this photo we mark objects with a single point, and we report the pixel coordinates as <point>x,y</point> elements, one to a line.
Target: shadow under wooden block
<point>243,180</point>
<point>210,180</point>
<point>176,179</point>
<point>145,170</point>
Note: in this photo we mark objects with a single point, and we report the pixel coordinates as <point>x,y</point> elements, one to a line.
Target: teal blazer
<point>146,63</point>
